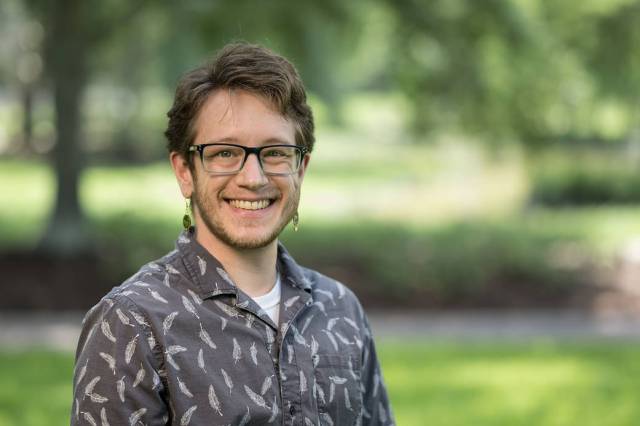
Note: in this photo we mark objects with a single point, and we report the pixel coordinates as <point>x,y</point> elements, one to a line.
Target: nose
<point>251,174</point>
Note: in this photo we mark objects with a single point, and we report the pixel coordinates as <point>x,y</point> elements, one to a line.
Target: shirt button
<point>292,410</point>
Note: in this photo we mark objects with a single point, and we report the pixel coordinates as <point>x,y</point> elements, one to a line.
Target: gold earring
<point>186,219</point>
<point>296,221</point>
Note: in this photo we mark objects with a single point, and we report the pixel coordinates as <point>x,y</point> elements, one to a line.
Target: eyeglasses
<point>227,159</point>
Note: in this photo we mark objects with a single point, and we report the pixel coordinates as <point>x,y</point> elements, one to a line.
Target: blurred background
<point>475,180</point>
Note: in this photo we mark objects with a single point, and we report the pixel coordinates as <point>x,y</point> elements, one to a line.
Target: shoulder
<point>333,294</point>
<point>150,292</point>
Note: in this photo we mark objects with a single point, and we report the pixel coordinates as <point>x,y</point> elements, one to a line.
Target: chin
<point>247,240</point>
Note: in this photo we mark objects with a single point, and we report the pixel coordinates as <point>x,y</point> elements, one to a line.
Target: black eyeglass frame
<point>248,150</point>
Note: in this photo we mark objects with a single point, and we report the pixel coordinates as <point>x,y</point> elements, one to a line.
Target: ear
<point>303,166</point>
<point>183,173</point>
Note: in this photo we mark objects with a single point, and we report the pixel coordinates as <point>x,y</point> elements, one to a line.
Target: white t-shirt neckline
<point>270,302</point>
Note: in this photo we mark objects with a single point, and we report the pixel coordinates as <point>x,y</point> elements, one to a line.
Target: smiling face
<point>249,209</point>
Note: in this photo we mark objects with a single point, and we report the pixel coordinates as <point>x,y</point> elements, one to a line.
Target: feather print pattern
<point>289,353</point>
<point>347,401</point>
<point>214,401</point>
<point>237,352</point>
<point>266,385</point>
<point>245,419</point>
<point>320,392</point>
<point>130,349</point>
<point>290,301</point>
<point>326,419</point>
<point>257,399</point>
<point>331,323</point>
<point>331,339</point>
<point>103,417</point>
<point>231,312</point>
<point>98,398</point>
<point>216,357</point>
<point>340,337</point>
<point>124,319</point>
<point>120,388</point>
<point>227,380</point>
<point>135,417</point>
<point>183,388</point>
<point>195,297</point>
<point>106,330</point>
<point>171,351</point>
<point>151,340</point>
<point>155,379</point>
<point>168,322</point>
<point>303,382</point>
<point>82,373</point>
<point>189,307</point>
<point>139,319</point>
<point>157,296</point>
<point>274,410</point>
<point>139,376</point>
<point>225,276</point>
<point>202,265</point>
<point>88,390</point>
<point>201,360</point>
<point>253,351</point>
<point>111,362</point>
<point>89,418</point>
<point>206,338</point>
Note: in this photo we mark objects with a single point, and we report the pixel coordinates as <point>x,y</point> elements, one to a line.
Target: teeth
<point>250,205</point>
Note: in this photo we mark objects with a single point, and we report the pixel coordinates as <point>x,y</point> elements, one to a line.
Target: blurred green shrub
<point>579,179</point>
<point>460,265</point>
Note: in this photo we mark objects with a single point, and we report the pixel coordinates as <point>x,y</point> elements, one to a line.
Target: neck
<point>252,270</point>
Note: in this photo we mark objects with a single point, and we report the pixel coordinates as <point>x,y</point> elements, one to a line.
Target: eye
<point>224,154</point>
<point>276,152</point>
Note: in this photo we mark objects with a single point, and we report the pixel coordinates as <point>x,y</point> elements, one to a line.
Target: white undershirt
<point>270,302</point>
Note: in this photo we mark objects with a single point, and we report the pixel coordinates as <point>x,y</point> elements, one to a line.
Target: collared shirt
<point>179,344</point>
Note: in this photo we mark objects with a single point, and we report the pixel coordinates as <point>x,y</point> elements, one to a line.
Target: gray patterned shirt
<point>178,343</point>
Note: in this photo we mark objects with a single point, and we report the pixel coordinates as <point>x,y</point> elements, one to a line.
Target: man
<point>227,328</point>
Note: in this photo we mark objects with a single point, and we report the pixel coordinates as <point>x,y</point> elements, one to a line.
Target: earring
<point>296,221</point>
<point>186,219</point>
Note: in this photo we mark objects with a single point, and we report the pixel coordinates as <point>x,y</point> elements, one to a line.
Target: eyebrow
<point>270,141</point>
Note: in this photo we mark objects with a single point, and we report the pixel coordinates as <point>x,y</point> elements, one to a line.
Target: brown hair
<point>240,66</point>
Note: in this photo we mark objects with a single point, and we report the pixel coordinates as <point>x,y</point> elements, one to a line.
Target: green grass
<point>440,383</point>
<point>513,384</point>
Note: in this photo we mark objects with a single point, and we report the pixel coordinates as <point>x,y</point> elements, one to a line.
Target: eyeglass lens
<point>229,159</point>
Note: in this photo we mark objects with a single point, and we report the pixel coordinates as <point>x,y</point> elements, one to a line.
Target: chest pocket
<point>337,389</point>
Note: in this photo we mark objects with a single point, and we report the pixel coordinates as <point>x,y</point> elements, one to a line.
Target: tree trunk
<point>66,56</point>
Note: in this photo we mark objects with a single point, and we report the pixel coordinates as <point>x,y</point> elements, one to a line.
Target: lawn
<point>440,383</point>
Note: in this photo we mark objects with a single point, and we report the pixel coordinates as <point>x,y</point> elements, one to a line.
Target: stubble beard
<point>202,202</point>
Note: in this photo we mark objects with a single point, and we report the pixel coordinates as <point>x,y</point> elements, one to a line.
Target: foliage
<point>537,72</point>
<point>391,252</point>
<point>585,177</point>
<point>588,383</point>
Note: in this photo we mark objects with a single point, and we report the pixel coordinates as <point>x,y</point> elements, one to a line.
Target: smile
<point>250,205</point>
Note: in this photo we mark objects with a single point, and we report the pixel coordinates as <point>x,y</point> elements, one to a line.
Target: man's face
<point>248,209</point>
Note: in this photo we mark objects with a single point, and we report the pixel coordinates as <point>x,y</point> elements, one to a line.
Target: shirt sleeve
<point>377,410</point>
<point>117,374</point>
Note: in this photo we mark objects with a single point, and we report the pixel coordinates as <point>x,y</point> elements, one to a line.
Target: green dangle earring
<point>186,219</point>
<point>296,221</point>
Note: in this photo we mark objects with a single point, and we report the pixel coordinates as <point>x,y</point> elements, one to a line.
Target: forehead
<point>242,117</point>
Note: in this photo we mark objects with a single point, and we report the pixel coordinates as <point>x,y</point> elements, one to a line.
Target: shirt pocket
<point>337,388</point>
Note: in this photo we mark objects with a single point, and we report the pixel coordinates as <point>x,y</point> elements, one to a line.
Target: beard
<point>224,231</point>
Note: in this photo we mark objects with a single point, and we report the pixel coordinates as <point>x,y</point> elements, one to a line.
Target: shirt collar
<point>210,276</point>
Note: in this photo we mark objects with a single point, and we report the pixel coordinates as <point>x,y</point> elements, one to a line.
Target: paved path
<point>60,331</point>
